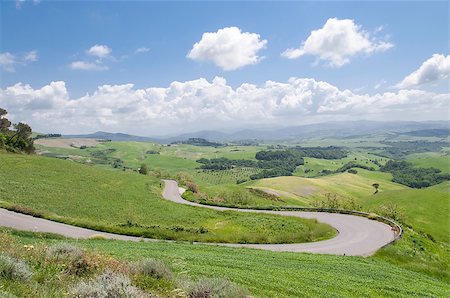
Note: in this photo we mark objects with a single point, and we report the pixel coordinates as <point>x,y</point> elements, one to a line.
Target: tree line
<point>405,173</point>
<point>15,137</point>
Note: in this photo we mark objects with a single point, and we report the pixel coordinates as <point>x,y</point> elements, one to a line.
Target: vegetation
<point>404,173</point>
<point>330,152</point>
<point>128,203</point>
<point>35,265</point>
<point>18,139</point>
<point>398,150</point>
<point>200,142</point>
<point>263,273</point>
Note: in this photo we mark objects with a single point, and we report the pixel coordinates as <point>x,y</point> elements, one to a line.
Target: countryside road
<point>358,236</point>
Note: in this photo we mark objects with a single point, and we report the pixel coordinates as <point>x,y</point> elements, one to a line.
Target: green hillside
<point>129,203</point>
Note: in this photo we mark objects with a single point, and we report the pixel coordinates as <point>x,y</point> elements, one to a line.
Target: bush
<point>352,171</point>
<point>154,268</point>
<point>107,285</point>
<point>71,255</point>
<point>143,169</point>
<point>215,288</point>
<point>192,186</point>
<point>14,269</point>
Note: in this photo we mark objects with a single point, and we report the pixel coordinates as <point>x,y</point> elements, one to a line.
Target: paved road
<point>357,235</point>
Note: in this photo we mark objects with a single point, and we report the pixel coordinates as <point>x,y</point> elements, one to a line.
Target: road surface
<point>357,236</point>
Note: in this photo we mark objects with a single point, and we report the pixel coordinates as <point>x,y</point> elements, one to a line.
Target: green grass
<point>438,160</point>
<point>129,203</point>
<point>345,185</point>
<point>271,274</point>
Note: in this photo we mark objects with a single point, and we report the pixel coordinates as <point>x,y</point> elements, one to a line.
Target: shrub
<point>4,294</point>
<point>192,186</point>
<point>215,288</point>
<point>143,169</point>
<point>107,285</point>
<point>154,268</point>
<point>14,269</point>
<point>352,171</point>
<point>71,255</point>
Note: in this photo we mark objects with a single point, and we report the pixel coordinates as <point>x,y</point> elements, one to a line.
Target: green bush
<point>154,268</point>
<point>107,285</point>
<point>215,288</point>
<point>14,269</point>
<point>70,255</point>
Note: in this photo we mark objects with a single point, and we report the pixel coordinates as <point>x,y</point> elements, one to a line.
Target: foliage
<point>108,284</point>
<point>397,150</point>
<point>154,268</point>
<point>72,256</point>
<point>200,142</point>
<point>13,269</point>
<point>215,288</point>
<point>17,139</point>
<point>47,136</point>
<point>404,173</point>
<point>353,164</point>
<point>330,152</point>
<point>143,169</point>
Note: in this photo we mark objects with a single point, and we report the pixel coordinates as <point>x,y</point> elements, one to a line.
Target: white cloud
<point>31,56</point>
<point>229,48</point>
<point>434,69</point>
<point>99,51</point>
<point>8,61</point>
<point>338,41</point>
<point>141,50</point>
<point>83,65</point>
<point>194,105</point>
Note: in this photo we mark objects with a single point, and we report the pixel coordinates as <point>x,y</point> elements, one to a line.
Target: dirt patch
<point>67,143</point>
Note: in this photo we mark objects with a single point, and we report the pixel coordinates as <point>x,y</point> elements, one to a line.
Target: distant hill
<point>117,137</point>
<point>440,133</point>
<point>291,133</point>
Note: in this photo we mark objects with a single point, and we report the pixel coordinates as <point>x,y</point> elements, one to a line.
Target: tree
<point>143,169</point>
<point>5,124</point>
<point>376,185</point>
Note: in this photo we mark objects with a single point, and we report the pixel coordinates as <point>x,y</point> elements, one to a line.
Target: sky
<point>153,68</point>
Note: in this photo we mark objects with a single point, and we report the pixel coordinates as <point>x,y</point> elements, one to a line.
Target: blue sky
<point>61,33</point>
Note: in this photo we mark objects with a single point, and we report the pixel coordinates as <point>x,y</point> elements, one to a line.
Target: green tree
<point>376,186</point>
<point>144,169</point>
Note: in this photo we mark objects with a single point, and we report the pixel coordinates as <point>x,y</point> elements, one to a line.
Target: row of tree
<point>15,137</point>
<point>405,173</point>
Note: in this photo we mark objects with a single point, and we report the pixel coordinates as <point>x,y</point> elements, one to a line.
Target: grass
<point>129,203</point>
<point>268,274</point>
<point>345,185</point>
<point>438,160</point>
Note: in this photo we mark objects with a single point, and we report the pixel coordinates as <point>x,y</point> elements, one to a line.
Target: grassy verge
<point>270,274</point>
<point>129,203</point>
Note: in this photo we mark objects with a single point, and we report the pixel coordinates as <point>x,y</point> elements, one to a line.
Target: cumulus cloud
<point>99,51</point>
<point>8,61</point>
<point>434,69</point>
<point>192,105</point>
<point>229,48</point>
<point>83,65</point>
<point>141,50</point>
<point>338,41</point>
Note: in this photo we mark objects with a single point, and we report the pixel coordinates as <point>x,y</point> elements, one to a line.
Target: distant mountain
<point>440,133</point>
<point>117,137</point>
<point>291,133</point>
<point>320,130</point>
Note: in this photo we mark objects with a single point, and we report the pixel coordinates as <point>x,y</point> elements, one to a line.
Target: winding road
<point>358,236</point>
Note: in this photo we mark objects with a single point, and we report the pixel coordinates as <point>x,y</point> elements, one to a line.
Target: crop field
<point>211,177</point>
<point>129,203</point>
<point>270,274</point>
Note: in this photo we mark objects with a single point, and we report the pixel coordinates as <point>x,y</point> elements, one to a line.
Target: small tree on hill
<point>376,186</point>
<point>143,169</point>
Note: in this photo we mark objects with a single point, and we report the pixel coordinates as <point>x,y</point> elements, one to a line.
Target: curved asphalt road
<point>357,236</point>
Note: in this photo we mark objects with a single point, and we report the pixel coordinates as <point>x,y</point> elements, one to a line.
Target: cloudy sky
<point>154,68</point>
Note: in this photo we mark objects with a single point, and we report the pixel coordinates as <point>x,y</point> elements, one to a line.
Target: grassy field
<point>438,160</point>
<point>344,185</point>
<point>129,203</point>
<point>270,274</point>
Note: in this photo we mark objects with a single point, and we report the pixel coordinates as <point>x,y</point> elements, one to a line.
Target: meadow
<point>264,273</point>
<point>129,203</point>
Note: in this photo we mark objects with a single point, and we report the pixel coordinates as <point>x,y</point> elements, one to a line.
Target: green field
<point>129,203</point>
<point>438,160</point>
<point>270,274</point>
